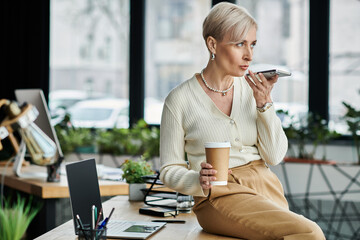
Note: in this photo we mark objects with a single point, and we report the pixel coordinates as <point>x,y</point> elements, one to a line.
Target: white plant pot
<point>135,193</point>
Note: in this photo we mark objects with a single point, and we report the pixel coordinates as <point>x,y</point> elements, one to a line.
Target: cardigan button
<point>232,121</point>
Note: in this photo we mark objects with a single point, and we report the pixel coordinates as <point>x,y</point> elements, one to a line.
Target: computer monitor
<point>36,98</point>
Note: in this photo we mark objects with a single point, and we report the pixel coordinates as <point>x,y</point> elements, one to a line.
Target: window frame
<point>318,55</point>
<point>318,92</point>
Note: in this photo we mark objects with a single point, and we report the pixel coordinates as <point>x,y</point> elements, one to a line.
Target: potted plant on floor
<point>79,140</point>
<point>15,219</point>
<point>133,172</point>
<point>122,143</point>
<point>352,118</point>
<point>150,142</point>
<point>310,129</point>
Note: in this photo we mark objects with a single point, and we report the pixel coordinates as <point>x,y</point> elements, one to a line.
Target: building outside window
<point>175,49</point>
<point>344,69</point>
<point>90,43</point>
<point>283,42</point>
<point>89,56</point>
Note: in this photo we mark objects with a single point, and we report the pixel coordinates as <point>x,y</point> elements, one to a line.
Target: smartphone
<point>270,73</point>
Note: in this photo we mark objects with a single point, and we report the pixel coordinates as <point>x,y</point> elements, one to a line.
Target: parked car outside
<point>65,98</point>
<point>100,113</point>
<point>60,100</point>
<point>111,112</point>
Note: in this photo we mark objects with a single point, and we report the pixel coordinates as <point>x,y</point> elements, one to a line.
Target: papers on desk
<point>110,173</point>
<point>103,172</point>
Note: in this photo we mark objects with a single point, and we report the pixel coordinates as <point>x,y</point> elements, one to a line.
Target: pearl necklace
<point>213,89</point>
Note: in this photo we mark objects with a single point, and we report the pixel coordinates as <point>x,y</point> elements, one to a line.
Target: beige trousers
<point>252,206</point>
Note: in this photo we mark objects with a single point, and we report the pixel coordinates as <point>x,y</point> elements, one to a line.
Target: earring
<point>212,56</point>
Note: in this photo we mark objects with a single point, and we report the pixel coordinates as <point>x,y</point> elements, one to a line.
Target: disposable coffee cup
<point>217,154</point>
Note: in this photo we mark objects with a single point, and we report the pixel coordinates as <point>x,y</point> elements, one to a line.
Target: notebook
<point>84,192</point>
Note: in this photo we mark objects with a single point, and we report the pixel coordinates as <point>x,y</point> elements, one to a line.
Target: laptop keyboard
<point>115,227</point>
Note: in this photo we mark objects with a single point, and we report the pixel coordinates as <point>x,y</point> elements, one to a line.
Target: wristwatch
<point>265,107</point>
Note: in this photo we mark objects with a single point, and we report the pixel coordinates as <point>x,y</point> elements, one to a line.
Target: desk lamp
<point>41,148</point>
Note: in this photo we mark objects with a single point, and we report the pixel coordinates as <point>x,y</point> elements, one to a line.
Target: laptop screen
<point>83,188</point>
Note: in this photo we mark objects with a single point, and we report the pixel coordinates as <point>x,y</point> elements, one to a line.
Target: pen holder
<point>87,233</point>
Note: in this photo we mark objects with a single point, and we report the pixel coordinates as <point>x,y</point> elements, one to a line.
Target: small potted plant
<point>133,172</point>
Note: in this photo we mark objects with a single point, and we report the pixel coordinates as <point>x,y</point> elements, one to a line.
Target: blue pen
<point>103,223</point>
<point>108,218</point>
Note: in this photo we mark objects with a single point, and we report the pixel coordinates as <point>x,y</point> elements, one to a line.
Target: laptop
<point>84,192</point>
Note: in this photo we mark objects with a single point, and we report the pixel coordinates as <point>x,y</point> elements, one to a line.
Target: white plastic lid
<point>217,144</point>
<point>218,183</point>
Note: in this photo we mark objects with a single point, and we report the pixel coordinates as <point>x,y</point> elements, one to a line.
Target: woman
<point>221,104</point>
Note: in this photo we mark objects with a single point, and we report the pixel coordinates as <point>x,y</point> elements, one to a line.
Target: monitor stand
<point>19,159</point>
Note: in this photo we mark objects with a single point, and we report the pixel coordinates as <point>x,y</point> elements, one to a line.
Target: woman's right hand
<point>206,175</point>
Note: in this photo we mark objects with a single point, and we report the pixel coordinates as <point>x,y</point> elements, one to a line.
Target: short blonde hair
<point>226,17</point>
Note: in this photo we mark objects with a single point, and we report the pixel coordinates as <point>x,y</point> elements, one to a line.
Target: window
<point>175,49</point>
<point>344,69</point>
<point>89,42</point>
<point>283,36</point>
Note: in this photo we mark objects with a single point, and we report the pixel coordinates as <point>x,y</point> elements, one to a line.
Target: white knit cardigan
<point>190,118</point>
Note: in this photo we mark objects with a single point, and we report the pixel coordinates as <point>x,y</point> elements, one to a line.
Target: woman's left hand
<point>261,89</point>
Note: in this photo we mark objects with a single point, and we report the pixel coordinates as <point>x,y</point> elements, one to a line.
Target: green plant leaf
<point>352,118</point>
<point>311,128</point>
<point>15,219</point>
<point>134,170</point>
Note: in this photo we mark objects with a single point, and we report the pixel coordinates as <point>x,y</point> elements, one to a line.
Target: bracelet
<point>265,107</point>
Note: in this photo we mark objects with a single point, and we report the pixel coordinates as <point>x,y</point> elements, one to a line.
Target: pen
<point>108,218</point>
<point>79,221</point>
<point>169,220</point>
<point>81,225</point>
<point>98,219</point>
<point>93,217</point>
<point>96,216</point>
<point>112,210</point>
<point>103,224</point>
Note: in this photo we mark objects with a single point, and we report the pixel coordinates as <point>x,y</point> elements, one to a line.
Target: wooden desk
<point>129,211</point>
<point>38,186</point>
<point>48,193</point>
